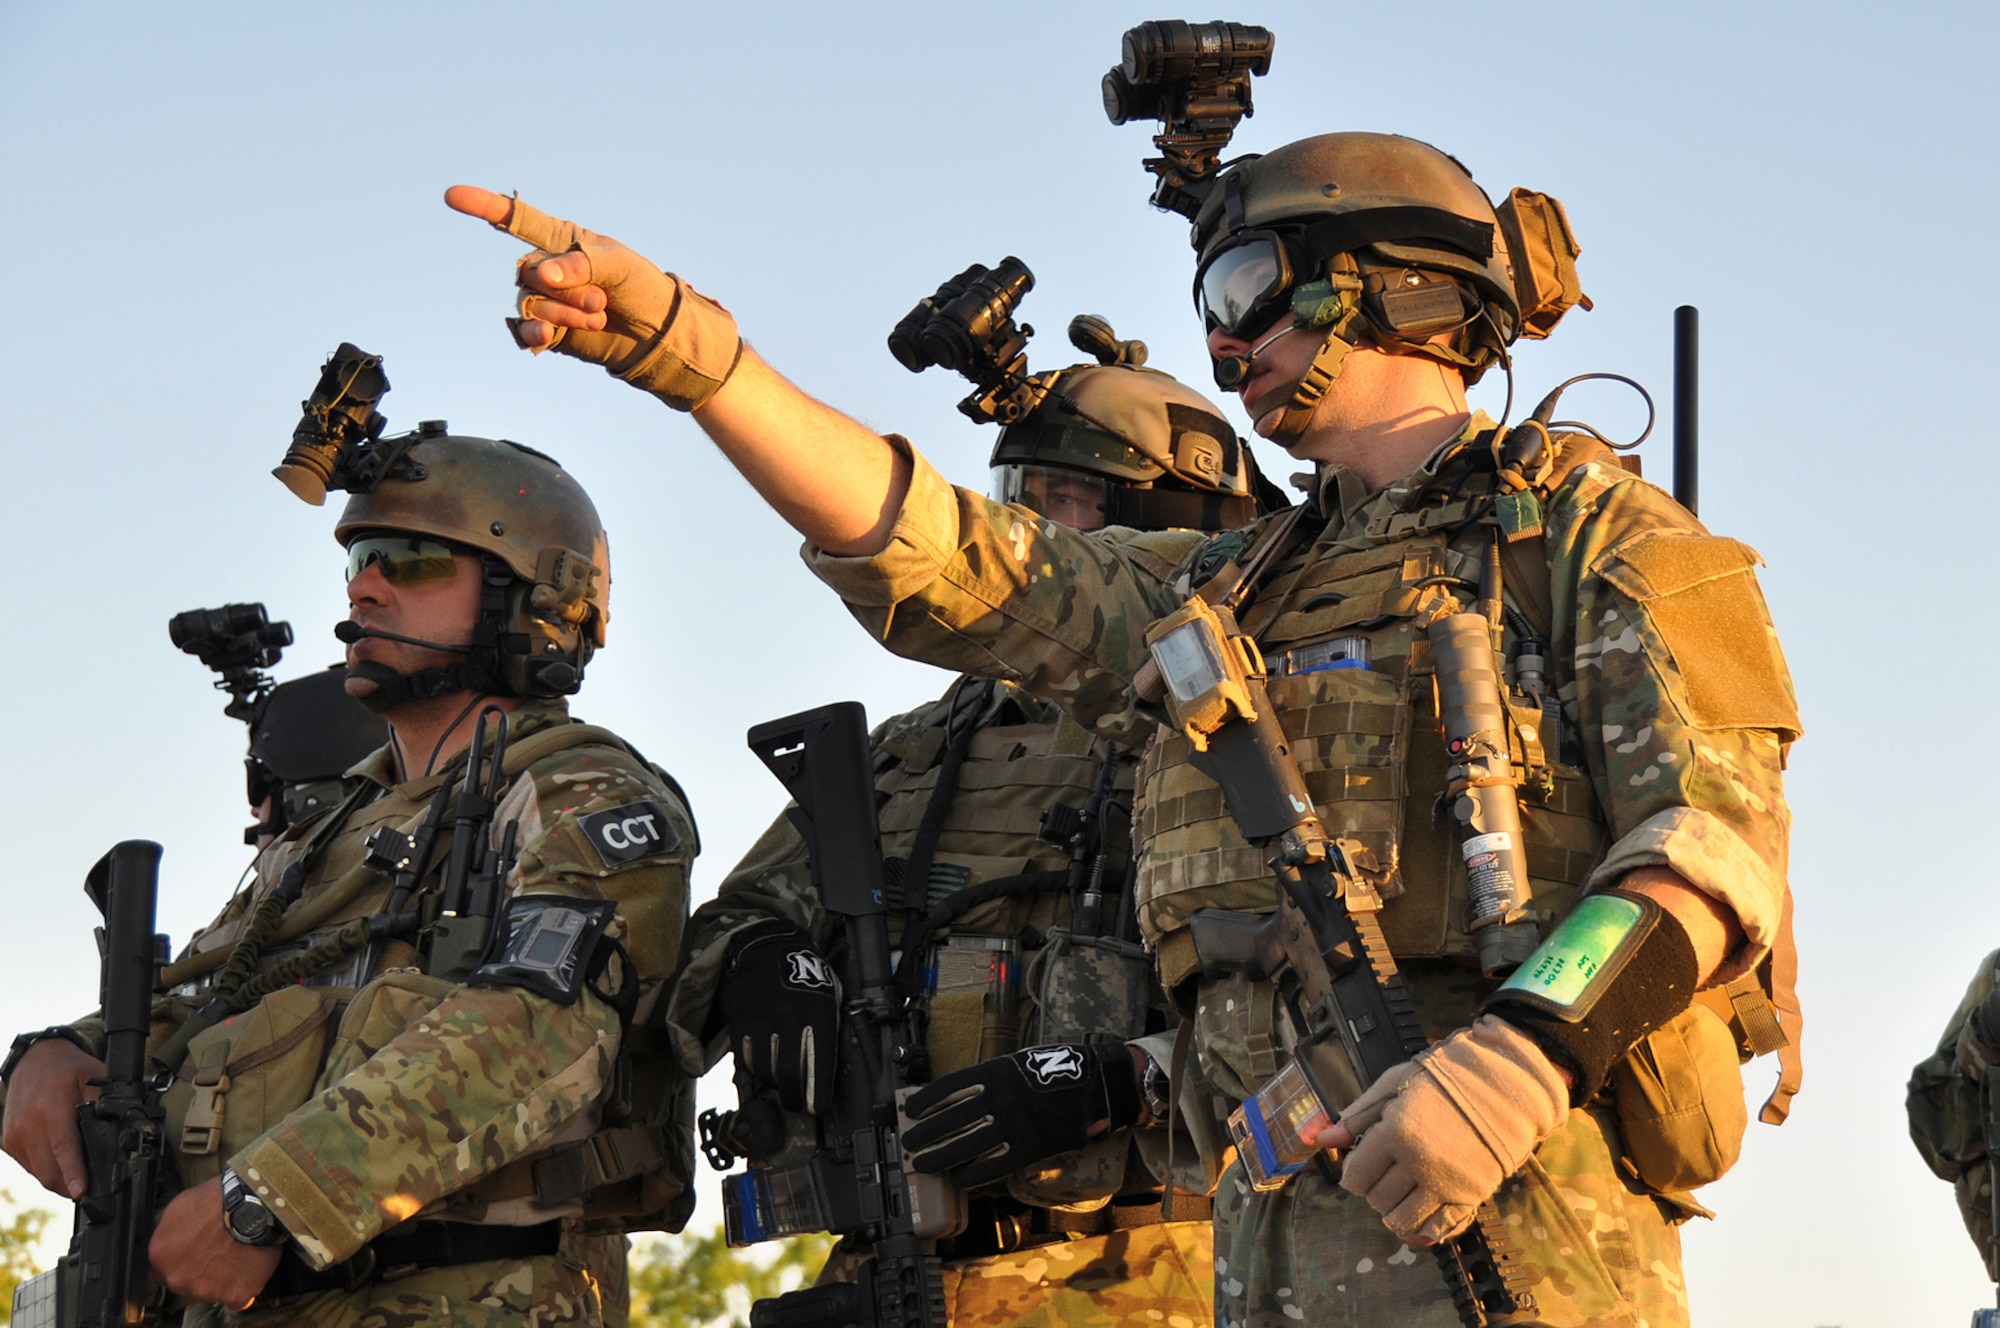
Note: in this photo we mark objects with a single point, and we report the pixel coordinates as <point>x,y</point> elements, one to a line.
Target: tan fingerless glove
<point>1438,1138</point>
<point>661,335</point>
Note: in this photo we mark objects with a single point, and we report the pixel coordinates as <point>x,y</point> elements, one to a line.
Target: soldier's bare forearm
<point>1710,926</point>
<point>837,482</point>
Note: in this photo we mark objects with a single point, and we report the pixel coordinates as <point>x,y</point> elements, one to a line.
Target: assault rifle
<point>1349,1005</point>
<point>856,1181</point>
<point>101,1282</point>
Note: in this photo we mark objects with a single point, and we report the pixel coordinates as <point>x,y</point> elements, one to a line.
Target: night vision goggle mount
<point>1195,79</point>
<point>238,641</point>
<point>968,325</point>
<point>338,443</point>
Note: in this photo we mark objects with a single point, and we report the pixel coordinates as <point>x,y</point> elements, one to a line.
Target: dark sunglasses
<point>405,560</point>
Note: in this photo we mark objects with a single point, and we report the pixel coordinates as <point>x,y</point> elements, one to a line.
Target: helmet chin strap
<point>1299,400</point>
<point>392,689</point>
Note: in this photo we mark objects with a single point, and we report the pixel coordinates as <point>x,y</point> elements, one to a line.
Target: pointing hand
<point>588,296</point>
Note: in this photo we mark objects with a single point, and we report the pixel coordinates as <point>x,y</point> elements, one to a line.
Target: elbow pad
<point>1616,968</point>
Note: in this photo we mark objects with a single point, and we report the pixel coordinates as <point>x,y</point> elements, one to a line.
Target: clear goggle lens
<point>1239,289</point>
<point>1067,497</point>
<point>404,559</point>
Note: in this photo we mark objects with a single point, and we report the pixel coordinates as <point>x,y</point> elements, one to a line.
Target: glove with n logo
<point>991,1119</point>
<point>781,1001</point>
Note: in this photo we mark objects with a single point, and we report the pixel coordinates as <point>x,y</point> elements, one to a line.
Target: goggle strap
<point>1396,225</point>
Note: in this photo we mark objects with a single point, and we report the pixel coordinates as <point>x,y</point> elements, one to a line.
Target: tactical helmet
<point>1162,455</point>
<point>547,564</point>
<point>1380,236</point>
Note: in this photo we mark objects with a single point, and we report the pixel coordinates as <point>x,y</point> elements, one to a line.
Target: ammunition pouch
<point>244,1075</point>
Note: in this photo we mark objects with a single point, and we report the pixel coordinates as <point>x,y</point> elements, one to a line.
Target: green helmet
<point>1375,236</point>
<point>537,534</point>
<point>1136,444</point>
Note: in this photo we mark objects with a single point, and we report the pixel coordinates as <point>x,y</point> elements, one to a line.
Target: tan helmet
<point>1376,236</point>
<point>548,563</point>
<point>1159,453</point>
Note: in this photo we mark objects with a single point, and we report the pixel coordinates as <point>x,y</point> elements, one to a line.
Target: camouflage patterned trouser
<point>1597,1251</point>
<point>1160,1276</point>
<point>515,1293</point>
<point>1149,1277</point>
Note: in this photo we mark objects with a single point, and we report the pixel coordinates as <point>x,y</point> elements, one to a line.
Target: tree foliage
<point>20,1233</point>
<point>694,1280</point>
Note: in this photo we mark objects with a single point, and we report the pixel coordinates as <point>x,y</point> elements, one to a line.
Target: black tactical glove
<point>782,1005</point>
<point>998,1116</point>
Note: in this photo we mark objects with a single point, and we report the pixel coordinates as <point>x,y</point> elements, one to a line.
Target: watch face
<point>244,1213</point>
<point>250,1222</point>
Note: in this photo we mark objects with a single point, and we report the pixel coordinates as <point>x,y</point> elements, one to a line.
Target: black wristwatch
<point>27,1040</point>
<point>248,1220</point>
<point>1157,1090</point>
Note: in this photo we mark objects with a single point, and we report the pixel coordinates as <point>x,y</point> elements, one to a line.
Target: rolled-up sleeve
<point>1681,695</point>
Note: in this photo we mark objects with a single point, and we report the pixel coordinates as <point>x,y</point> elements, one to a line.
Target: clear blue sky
<point>203,199</point>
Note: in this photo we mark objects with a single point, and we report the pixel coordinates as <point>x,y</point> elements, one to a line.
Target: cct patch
<point>626,834</point>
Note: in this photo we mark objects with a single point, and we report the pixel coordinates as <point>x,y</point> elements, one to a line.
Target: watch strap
<point>21,1044</point>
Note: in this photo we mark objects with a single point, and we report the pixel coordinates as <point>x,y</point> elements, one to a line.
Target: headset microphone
<point>1232,371</point>
<point>349,632</point>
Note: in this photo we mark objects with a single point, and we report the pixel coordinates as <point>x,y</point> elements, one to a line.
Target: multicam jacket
<point>1020,756</point>
<point>1670,701</point>
<point>1949,1108</point>
<point>353,1112</point>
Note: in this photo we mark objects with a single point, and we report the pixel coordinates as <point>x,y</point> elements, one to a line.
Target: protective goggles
<point>1066,497</point>
<point>1241,290</point>
<point>405,560</point>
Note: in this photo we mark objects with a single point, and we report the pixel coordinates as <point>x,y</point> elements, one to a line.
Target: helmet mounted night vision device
<point>1109,442</point>
<point>1195,79</point>
<point>417,500</point>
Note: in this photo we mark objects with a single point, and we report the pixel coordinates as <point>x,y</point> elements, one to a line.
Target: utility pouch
<point>378,1012</point>
<point>1679,1099</point>
<point>972,988</point>
<point>1091,989</point>
<point>245,1075</point>
<point>1088,989</point>
<point>1544,252</point>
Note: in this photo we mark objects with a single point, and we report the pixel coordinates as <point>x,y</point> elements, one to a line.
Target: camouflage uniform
<point>1948,1113</point>
<point>424,1099</point>
<point>1675,714</point>
<point>1097,1252</point>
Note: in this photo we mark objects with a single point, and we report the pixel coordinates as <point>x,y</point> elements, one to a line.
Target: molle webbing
<point>309,914</point>
<point>1364,738</point>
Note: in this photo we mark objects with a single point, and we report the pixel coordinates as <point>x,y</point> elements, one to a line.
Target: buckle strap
<point>605,1158</point>
<point>423,1245</point>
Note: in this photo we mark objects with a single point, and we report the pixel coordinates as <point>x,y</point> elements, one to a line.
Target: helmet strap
<point>393,688</point>
<point>1302,398</point>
